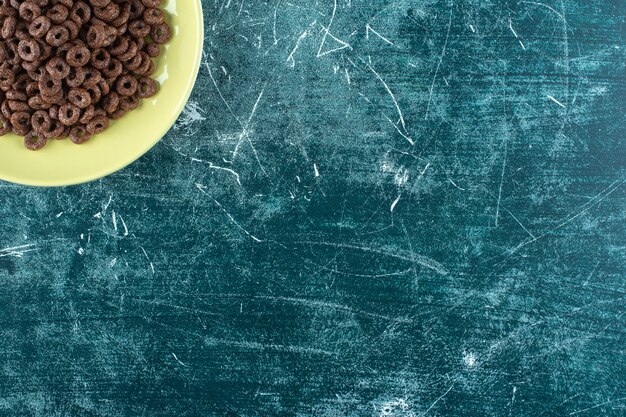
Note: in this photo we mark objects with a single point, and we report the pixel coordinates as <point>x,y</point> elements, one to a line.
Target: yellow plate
<point>63,163</point>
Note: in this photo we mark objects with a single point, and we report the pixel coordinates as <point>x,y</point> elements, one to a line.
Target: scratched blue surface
<point>368,208</point>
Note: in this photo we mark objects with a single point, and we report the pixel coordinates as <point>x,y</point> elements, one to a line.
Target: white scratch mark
<point>290,59</point>
<point>178,360</point>
<point>124,225</point>
<point>472,29</point>
<point>515,33</point>
<point>593,271</point>
<point>596,406</point>
<point>408,257</point>
<point>202,189</point>
<point>327,33</point>
<point>369,29</point>
<point>453,183</point>
<point>114,219</point>
<point>393,97</point>
<point>17,251</point>
<point>347,76</point>
<point>556,101</point>
<point>316,170</point>
<point>443,53</point>
<point>438,399</point>
<point>506,150</point>
<point>148,258</point>
<point>59,215</point>
<point>393,205</point>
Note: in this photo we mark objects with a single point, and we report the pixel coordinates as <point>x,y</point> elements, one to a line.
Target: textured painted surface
<point>381,208</point>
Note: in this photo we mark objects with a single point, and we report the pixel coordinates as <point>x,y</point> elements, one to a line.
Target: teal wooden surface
<point>368,208</point>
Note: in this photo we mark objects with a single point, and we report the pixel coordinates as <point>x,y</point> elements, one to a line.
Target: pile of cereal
<point>68,66</point>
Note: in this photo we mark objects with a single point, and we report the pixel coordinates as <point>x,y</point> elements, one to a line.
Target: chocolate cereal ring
<point>79,135</point>
<point>34,141</point>
<point>57,35</point>
<point>39,27</point>
<point>78,56</point>
<point>153,16</point>
<point>147,87</point>
<point>79,97</point>
<point>161,33</point>
<point>29,50</point>
<point>69,114</point>
<point>97,125</point>
<point>58,68</point>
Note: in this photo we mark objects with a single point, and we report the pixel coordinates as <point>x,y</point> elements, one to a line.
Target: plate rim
<point>97,175</point>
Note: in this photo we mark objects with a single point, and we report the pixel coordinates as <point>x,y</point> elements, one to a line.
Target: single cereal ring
<point>5,126</point>
<point>32,87</point>
<point>29,50</point>
<point>20,121</point>
<point>53,98</point>
<point>87,114</point>
<point>69,114</point>
<point>114,69</point>
<point>119,46</point>
<point>8,11</point>
<point>130,53</point>
<point>111,102</point>
<point>134,63</point>
<point>5,110</point>
<point>145,64</point>
<point>96,36</point>
<point>72,28</point>
<point>139,28</point>
<point>136,9</point>
<point>21,30</point>
<point>99,3</point>
<point>161,33</point>
<point>29,11</point>
<point>7,77</point>
<point>57,35</point>
<point>153,16</point>
<point>126,85</point>
<point>117,114</point>
<point>18,105</point>
<point>79,97</point>
<point>8,27</point>
<point>151,3</point>
<point>147,87</point>
<point>58,68</point>
<point>122,18</point>
<point>80,13</point>
<point>58,14</point>
<point>38,103</point>
<point>92,77</point>
<point>53,111</point>
<point>108,13</point>
<point>129,103</point>
<point>100,58</point>
<point>56,130</point>
<point>40,121</point>
<point>39,27</point>
<point>76,77</point>
<point>151,68</point>
<point>78,56</point>
<point>34,141</point>
<point>97,125</point>
<point>153,49</point>
<point>48,85</point>
<point>104,87</point>
<point>79,135</point>
<point>94,93</point>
